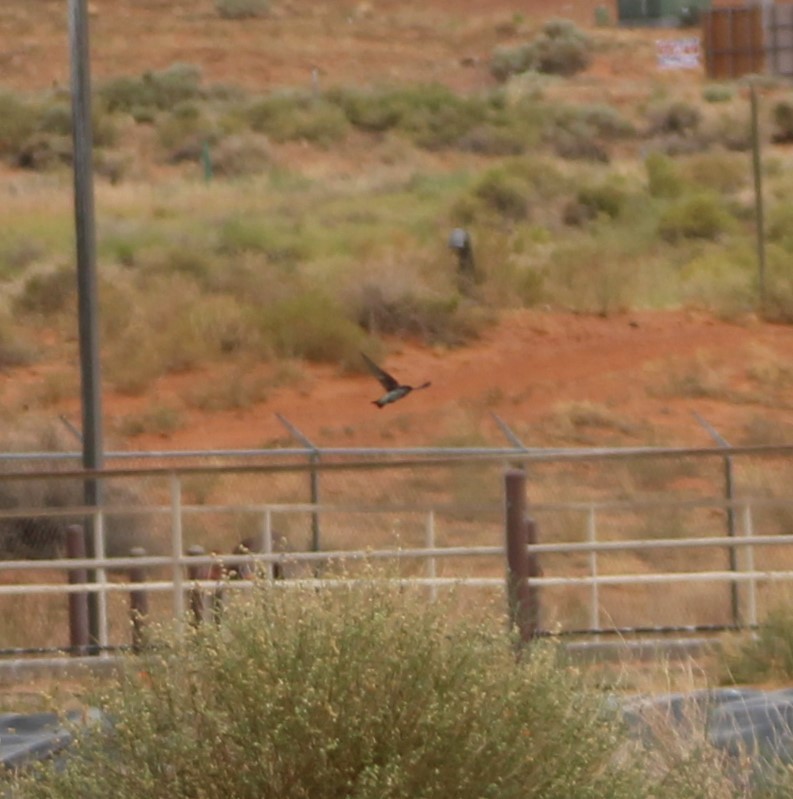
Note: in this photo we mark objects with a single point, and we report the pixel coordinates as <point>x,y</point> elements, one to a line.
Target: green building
<point>660,13</point>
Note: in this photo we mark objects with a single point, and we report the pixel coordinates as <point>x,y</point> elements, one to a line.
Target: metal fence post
<point>138,600</point>
<point>195,573</point>
<point>78,600</point>
<point>519,595</point>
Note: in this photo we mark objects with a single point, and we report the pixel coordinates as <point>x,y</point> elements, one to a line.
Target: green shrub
<point>718,93</point>
<point>721,283</point>
<point>696,216</point>
<point>47,293</point>
<point>152,91</point>
<point>311,325</point>
<point>606,198</point>
<point>241,155</point>
<point>783,121</point>
<point>506,194</point>
<point>17,122</point>
<point>664,177</point>
<point>242,9</point>
<point>766,655</point>
<point>15,350</point>
<point>560,49</point>
<point>298,115</point>
<point>367,693</point>
<point>674,116</point>
<point>720,171</point>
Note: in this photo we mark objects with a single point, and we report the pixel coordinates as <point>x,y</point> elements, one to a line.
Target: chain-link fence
<point>626,537</point>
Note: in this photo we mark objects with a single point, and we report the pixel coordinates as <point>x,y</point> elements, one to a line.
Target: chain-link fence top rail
<point>339,500</point>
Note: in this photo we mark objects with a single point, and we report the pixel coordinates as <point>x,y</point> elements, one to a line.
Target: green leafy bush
<point>695,216</point>
<point>366,693</point>
<point>766,655</point>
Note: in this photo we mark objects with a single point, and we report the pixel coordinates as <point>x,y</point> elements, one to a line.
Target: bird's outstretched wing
<point>388,382</point>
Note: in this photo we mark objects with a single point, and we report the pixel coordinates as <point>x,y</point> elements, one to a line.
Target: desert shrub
<point>719,282</point>
<point>241,9</point>
<point>47,292</point>
<point>607,198</point>
<point>783,121</point>
<point>290,115</point>
<point>778,305</point>
<point>156,90</point>
<point>158,419</point>
<point>766,655</point>
<point>283,245</point>
<point>240,155</point>
<point>17,122</point>
<point>561,48</point>
<point>674,116</point>
<point>389,698</point>
<point>15,349</point>
<point>722,172</point>
<point>504,193</point>
<point>779,225</point>
<point>701,215</point>
<point>43,151</point>
<point>664,178</point>
<point>718,93</point>
<point>311,325</point>
<point>44,537</point>
<point>183,131</point>
<point>435,319</point>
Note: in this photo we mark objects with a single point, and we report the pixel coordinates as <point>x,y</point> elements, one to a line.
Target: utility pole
<point>93,458</point>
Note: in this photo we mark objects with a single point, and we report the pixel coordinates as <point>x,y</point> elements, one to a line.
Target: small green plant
<point>504,193</point>
<point>664,178</point>
<point>158,419</point>
<point>718,93</point>
<point>298,115</point>
<point>242,9</point>
<point>158,90</point>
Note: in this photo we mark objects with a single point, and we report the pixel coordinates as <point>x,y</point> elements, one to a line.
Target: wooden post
<point>195,573</point>
<point>78,601</point>
<point>519,594</point>
<point>138,601</point>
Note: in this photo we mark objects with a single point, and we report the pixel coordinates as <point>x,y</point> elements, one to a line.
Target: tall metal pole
<point>86,271</point>
<point>758,198</point>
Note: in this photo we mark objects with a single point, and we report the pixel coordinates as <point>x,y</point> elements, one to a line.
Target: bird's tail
<point>423,385</point>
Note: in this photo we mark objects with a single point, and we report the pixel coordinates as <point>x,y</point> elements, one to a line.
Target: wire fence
<point>629,539</point>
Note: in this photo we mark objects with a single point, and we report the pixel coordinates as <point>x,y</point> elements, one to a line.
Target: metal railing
<point>433,556</point>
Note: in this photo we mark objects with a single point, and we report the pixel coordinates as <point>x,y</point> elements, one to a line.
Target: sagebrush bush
<point>365,693</point>
<point>561,48</point>
<point>156,90</point>
<point>298,115</point>
<point>701,215</point>
<point>47,293</point>
<point>664,176</point>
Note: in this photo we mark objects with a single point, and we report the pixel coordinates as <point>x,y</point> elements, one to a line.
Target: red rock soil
<point>530,366</point>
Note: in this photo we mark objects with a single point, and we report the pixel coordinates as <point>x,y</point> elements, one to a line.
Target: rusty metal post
<point>195,573</point>
<point>517,540</point>
<point>138,601</point>
<point>78,600</point>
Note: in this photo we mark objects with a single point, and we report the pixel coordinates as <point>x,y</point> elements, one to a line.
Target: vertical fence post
<point>748,531</point>
<point>138,601</point>
<point>594,597</point>
<point>431,562</point>
<point>195,573</point>
<point>519,596</point>
<point>176,547</point>
<point>266,544</point>
<point>78,601</point>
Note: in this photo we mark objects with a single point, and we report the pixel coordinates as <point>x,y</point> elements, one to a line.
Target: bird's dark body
<point>394,390</point>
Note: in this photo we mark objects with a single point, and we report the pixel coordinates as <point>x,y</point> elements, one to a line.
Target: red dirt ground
<point>637,371</point>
